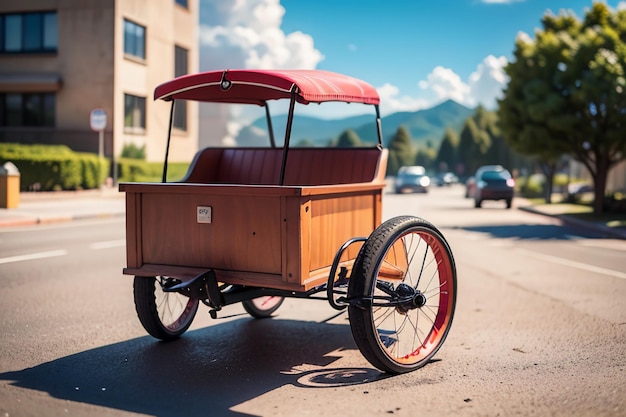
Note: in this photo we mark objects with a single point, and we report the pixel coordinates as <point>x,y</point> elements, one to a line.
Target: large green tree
<point>566,93</point>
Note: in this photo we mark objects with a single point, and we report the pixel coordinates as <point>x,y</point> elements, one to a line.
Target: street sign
<point>98,120</point>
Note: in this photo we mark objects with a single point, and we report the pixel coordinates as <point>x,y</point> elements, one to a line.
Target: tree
<point>425,157</point>
<point>446,155</point>
<point>348,139</point>
<point>400,151</point>
<point>474,143</point>
<point>566,92</point>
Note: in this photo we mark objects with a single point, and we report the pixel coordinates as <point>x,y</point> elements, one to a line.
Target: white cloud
<point>483,86</point>
<point>445,84</point>
<point>621,5</point>
<point>247,34</point>
<point>391,101</point>
<point>487,82</point>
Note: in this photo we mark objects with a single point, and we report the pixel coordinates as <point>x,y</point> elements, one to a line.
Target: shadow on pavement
<point>532,231</point>
<point>206,372</point>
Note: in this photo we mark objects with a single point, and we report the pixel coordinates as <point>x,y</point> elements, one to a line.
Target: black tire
<point>403,254</point>
<point>164,315</point>
<point>262,307</point>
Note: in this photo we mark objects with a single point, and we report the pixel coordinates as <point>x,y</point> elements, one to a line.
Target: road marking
<point>613,244</point>
<point>574,264</point>
<point>108,244</point>
<point>32,256</point>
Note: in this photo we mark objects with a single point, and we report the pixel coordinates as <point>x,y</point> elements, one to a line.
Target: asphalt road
<point>539,329</point>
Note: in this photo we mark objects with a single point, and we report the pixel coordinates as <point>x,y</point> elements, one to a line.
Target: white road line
<point>574,264</point>
<point>108,244</point>
<point>32,256</point>
<point>613,244</point>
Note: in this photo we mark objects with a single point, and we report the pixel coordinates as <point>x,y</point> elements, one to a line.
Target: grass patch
<point>612,220</point>
<point>581,211</point>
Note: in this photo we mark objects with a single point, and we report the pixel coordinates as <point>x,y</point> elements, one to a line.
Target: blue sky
<point>416,53</point>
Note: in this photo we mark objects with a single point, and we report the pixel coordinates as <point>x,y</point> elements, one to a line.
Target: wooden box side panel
<point>338,218</point>
<point>243,235</point>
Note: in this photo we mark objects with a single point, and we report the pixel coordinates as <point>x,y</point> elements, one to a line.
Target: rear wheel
<point>164,315</point>
<point>262,307</point>
<point>403,293</point>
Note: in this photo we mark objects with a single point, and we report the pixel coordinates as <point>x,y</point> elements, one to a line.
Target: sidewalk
<point>63,206</point>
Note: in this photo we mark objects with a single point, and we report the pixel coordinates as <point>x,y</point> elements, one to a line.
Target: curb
<point>32,221</point>
<point>565,219</point>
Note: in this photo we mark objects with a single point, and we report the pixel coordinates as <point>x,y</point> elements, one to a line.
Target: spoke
<point>415,332</point>
<point>414,252</point>
<point>433,309</point>
<point>434,290</point>
<point>384,316</point>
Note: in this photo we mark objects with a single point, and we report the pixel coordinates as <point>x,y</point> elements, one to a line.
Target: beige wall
<point>90,62</point>
<point>167,24</point>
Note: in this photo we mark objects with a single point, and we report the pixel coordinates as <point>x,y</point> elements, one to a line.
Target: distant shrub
<point>132,151</point>
<point>133,170</point>
<point>530,187</point>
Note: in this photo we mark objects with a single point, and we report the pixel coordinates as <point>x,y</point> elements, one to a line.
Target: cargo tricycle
<point>257,224</point>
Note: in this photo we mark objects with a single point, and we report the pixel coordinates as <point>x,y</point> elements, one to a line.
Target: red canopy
<point>257,86</point>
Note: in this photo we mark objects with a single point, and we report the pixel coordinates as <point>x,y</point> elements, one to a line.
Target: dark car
<point>493,182</point>
<point>411,179</point>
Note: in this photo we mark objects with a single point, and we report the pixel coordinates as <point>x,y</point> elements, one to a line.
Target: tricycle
<point>257,224</point>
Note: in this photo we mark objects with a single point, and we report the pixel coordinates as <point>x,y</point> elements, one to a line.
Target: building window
<point>180,68</point>
<point>134,112</point>
<point>27,109</point>
<point>134,39</point>
<point>28,32</point>
<point>182,3</point>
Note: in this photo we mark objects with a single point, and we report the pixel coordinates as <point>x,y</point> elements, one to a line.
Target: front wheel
<point>403,294</point>
<point>164,315</point>
<point>262,307</point>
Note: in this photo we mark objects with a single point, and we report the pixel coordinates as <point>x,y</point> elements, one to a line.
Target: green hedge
<point>135,170</point>
<point>54,167</point>
<point>57,167</point>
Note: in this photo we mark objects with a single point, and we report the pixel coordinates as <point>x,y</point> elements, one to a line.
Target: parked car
<point>412,179</point>
<point>445,179</point>
<point>493,182</point>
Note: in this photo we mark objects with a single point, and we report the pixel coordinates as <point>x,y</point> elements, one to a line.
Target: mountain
<point>429,124</point>
<point>424,126</point>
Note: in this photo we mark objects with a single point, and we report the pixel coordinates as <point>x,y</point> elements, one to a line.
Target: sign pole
<point>98,122</point>
<point>101,143</point>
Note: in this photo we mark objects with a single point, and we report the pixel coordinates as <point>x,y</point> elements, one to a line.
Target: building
<point>60,59</point>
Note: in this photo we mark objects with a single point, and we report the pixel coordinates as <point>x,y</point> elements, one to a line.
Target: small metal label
<point>204,214</point>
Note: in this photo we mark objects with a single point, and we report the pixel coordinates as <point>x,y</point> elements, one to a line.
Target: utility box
<point>9,186</point>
